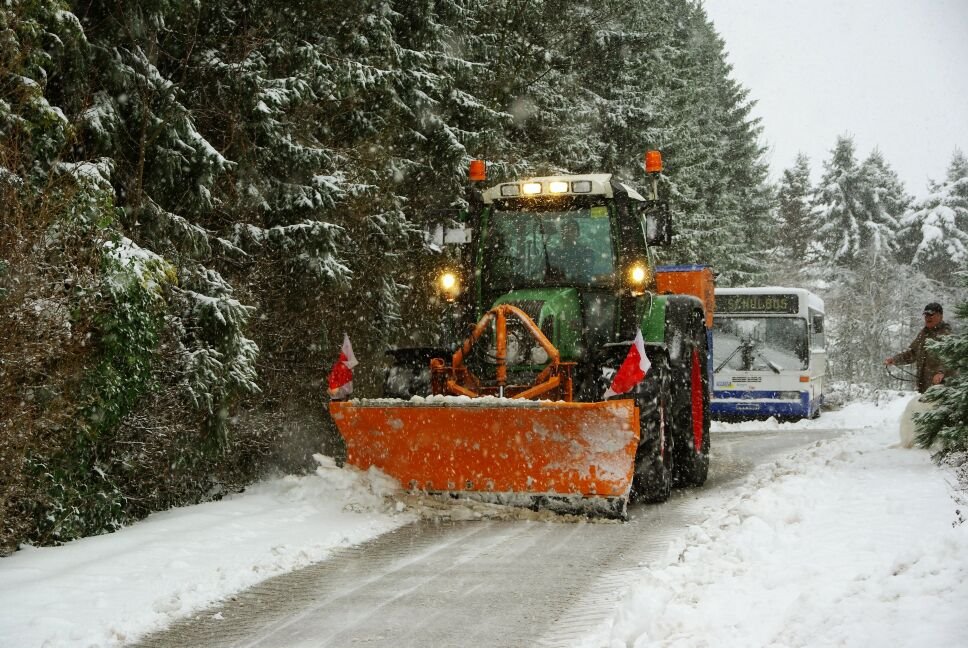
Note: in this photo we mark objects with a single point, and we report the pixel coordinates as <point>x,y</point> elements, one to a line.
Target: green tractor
<point>549,281</point>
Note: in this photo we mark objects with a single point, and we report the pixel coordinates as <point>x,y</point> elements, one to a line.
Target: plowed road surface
<point>481,583</point>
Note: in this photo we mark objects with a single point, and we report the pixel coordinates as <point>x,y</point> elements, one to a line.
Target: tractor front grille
<point>531,307</point>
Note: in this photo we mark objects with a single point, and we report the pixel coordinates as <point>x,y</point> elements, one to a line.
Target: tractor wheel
<point>690,409</point>
<point>654,458</point>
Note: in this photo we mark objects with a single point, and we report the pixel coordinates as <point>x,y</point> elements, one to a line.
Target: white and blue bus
<point>769,353</point>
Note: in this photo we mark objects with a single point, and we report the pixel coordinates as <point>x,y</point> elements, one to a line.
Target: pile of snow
<point>852,541</point>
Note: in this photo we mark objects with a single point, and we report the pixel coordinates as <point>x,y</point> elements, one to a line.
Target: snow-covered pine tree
<point>934,232</point>
<point>444,116</point>
<point>715,169</point>
<point>884,201</point>
<point>856,207</point>
<point>57,210</point>
<point>92,336</point>
<point>167,170</point>
<point>266,73</point>
<point>838,209</point>
<point>602,73</point>
<point>526,59</point>
<point>795,225</point>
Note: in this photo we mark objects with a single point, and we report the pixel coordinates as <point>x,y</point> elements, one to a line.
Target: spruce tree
<point>795,222</point>
<point>884,202</point>
<point>838,208</point>
<point>857,207</point>
<point>934,232</point>
<point>686,105</point>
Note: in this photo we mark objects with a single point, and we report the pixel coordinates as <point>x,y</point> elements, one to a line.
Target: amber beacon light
<point>477,171</point>
<point>653,161</point>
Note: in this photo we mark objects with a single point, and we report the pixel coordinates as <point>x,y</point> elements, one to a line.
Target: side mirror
<point>658,223</point>
<point>439,236</point>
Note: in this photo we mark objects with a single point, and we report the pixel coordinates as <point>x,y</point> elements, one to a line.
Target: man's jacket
<point>927,363</point>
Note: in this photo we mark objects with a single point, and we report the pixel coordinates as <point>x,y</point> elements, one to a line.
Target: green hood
<point>556,311</point>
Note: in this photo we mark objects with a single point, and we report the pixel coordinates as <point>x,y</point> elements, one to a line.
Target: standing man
<point>929,370</point>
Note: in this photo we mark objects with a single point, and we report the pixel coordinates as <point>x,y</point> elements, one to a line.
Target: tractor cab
<point>572,252</point>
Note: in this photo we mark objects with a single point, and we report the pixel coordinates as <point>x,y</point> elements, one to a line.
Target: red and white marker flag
<point>633,369</point>
<point>341,375</point>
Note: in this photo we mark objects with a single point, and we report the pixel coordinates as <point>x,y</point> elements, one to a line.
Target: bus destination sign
<point>783,304</point>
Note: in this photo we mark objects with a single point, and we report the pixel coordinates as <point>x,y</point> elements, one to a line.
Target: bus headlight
<point>789,395</point>
<point>638,277</point>
<point>448,284</point>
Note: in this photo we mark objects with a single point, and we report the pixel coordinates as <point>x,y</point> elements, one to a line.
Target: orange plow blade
<point>568,457</point>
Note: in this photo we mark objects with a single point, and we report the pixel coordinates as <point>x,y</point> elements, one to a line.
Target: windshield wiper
<point>748,346</point>
<point>544,247</point>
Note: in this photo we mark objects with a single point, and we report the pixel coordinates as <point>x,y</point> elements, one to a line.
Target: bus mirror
<point>658,223</point>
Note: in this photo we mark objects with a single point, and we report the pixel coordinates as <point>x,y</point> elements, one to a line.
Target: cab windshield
<point>533,248</point>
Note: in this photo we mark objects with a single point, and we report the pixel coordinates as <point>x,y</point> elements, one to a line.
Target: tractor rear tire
<point>654,459</point>
<point>690,408</point>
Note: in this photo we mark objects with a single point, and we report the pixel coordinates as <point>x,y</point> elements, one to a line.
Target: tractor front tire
<point>654,467</point>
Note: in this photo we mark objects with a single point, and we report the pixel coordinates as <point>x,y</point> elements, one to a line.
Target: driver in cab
<point>573,259</point>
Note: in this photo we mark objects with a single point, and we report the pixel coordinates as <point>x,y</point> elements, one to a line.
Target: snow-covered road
<point>445,582</point>
<point>848,542</point>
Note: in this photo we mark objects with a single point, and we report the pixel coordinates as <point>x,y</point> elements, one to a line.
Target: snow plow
<point>555,280</point>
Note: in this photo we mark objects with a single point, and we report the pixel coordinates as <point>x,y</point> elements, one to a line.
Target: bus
<point>769,353</point>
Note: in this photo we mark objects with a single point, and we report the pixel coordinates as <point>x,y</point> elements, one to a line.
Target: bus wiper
<point>756,346</point>
<point>728,358</point>
<point>749,346</point>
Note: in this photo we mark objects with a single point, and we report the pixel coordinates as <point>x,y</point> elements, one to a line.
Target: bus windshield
<point>760,344</point>
<point>532,248</point>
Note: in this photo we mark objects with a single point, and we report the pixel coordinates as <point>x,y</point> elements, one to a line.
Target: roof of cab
<point>602,184</point>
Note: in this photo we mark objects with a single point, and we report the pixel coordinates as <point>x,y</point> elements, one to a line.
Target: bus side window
<point>817,340</point>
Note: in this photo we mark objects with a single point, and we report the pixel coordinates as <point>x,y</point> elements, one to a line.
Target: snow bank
<point>108,590</point>
<point>849,542</point>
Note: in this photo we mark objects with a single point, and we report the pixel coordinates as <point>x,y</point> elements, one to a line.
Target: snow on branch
<point>220,359</point>
<point>137,264</point>
<point>96,174</point>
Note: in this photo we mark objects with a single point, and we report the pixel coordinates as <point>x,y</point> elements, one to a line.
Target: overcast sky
<point>891,73</point>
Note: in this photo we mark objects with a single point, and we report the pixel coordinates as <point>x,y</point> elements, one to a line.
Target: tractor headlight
<point>448,283</point>
<point>638,277</point>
